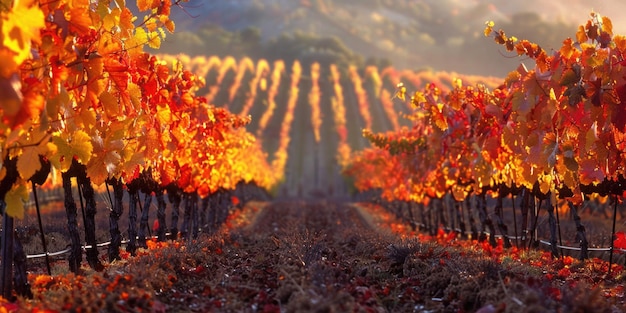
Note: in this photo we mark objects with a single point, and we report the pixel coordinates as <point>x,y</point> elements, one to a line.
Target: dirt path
<point>294,257</point>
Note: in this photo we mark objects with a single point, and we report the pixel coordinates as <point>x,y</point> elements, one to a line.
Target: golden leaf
<point>154,40</point>
<point>15,199</point>
<point>78,145</point>
<point>607,25</point>
<point>19,29</point>
<point>28,162</point>
<point>164,115</point>
<point>488,28</point>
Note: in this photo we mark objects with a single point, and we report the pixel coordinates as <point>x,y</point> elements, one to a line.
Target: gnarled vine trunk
<point>114,217</point>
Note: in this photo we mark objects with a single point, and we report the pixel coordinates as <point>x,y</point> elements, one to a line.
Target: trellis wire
<point>544,242</point>
<point>84,248</point>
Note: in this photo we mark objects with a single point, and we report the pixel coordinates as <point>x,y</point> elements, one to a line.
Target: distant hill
<point>442,35</point>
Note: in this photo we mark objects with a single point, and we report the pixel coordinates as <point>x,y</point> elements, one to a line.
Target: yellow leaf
<point>135,43</point>
<point>164,115</point>
<point>607,25</point>
<point>620,43</point>
<point>81,146</point>
<point>154,40</point>
<point>150,24</point>
<point>418,98</point>
<point>112,19</point>
<point>20,27</point>
<point>489,28</point>
<point>78,145</point>
<point>86,118</point>
<point>15,199</point>
<point>457,83</point>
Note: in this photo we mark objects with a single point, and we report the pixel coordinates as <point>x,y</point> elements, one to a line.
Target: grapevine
<point>555,131</point>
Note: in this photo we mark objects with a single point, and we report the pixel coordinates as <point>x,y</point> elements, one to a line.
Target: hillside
<point>442,35</point>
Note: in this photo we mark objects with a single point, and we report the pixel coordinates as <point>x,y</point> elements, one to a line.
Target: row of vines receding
<point>552,137</point>
<point>83,106</point>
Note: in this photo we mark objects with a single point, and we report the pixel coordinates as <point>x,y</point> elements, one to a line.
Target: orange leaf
<point>79,18</point>
<point>581,34</point>
<point>144,5</point>
<point>110,104</point>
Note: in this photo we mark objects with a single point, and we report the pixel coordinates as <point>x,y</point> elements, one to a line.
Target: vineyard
<point>205,183</point>
<point>289,101</point>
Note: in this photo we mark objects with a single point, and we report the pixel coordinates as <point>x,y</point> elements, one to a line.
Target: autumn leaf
<point>619,241</point>
<point>28,162</point>
<point>75,145</point>
<point>154,38</point>
<point>169,24</point>
<point>15,199</point>
<point>78,17</point>
<point>164,114</point>
<point>19,27</point>
<point>110,104</point>
<point>144,5</point>
<point>607,25</point>
<point>590,173</point>
<point>488,28</point>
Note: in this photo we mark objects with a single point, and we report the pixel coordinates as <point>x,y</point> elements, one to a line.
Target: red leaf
<point>620,240</point>
<point>155,226</point>
<point>619,113</point>
<point>234,200</point>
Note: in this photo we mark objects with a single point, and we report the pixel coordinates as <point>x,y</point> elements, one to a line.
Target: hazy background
<point>415,34</point>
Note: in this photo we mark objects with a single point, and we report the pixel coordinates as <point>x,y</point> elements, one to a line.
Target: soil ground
<point>329,257</point>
